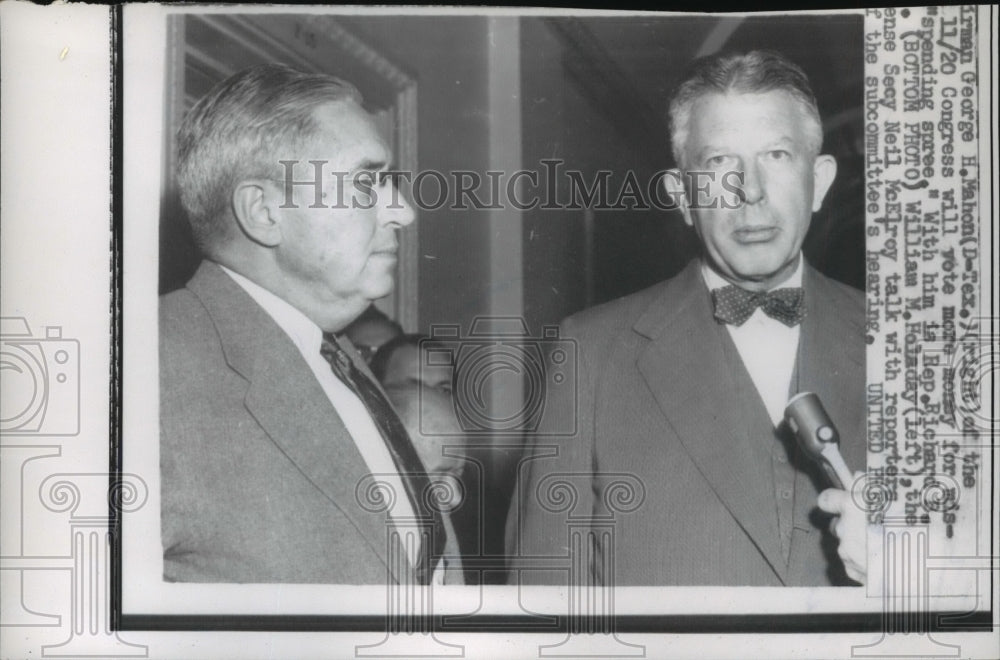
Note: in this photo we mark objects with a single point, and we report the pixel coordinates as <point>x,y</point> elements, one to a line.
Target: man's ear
<point>824,171</point>
<point>254,215</point>
<point>673,183</point>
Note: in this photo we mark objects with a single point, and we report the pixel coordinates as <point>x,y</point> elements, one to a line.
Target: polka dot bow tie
<point>734,305</point>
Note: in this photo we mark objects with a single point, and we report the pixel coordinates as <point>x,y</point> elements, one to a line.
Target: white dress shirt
<point>767,346</point>
<point>308,337</point>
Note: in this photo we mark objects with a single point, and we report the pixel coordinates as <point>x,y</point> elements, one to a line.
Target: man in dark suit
<point>682,386</point>
<point>270,422</point>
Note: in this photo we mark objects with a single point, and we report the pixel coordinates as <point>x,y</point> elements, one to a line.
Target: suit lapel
<point>687,366</point>
<point>287,401</point>
<point>831,357</point>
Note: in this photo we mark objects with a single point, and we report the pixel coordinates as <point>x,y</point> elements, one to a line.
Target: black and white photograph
<point>514,333</point>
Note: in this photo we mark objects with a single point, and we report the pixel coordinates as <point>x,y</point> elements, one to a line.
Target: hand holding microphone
<point>819,440</point>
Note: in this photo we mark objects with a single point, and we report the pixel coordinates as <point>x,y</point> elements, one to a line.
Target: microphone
<point>817,436</point>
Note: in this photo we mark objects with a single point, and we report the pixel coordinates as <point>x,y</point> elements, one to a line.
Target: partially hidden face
<point>753,183</point>
<point>409,365</point>
<point>430,420</point>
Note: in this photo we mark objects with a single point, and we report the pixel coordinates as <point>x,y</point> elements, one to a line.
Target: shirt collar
<point>306,335</point>
<point>715,281</point>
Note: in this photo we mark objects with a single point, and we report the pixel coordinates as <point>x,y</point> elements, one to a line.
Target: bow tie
<point>734,305</point>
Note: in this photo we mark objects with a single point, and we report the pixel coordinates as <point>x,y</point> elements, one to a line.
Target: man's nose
<point>753,182</point>
<point>394,209</point>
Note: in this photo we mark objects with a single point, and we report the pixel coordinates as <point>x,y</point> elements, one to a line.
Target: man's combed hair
<point>240,130</point>
<point>751,73</point>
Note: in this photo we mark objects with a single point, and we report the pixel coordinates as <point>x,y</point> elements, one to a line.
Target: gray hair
<point>235,131</point>
<point>751,73</point>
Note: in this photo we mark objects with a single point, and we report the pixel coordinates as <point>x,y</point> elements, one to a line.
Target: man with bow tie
<point>683,385</point>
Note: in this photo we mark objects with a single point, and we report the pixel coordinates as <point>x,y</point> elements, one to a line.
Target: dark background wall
<point>448,58</point>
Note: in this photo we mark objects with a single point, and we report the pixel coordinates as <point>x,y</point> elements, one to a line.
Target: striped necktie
<point>411,471</point>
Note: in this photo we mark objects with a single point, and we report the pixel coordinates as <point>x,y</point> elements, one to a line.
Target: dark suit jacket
<point>663,399</point>
<point>258,471</point>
